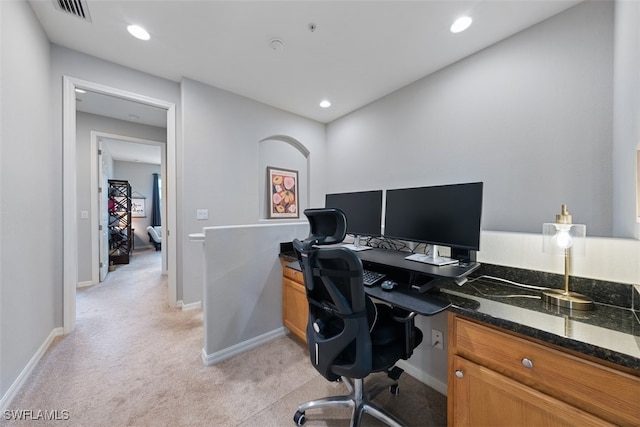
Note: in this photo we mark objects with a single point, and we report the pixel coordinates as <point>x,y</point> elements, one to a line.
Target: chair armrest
<point>411,333</point>
<point>401,315</point>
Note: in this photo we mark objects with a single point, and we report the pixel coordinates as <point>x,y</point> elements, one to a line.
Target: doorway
<point>70,202</point>
<point>135,160</point>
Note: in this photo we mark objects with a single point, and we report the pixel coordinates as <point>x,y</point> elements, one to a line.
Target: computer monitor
<point>445,215</point>
<point>363,210</point>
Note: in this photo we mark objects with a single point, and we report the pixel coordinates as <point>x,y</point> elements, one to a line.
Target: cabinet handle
<point>527,363</point>
<point>459,373</point>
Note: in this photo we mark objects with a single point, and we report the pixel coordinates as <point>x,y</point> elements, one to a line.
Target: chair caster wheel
<point>394,389</point>
<point>299,418</point>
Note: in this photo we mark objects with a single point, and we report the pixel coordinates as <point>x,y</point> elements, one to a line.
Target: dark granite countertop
<point>610,333</point>
<point>288,257</point>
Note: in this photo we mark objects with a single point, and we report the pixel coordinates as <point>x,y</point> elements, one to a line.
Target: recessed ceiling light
<point>78,90</point>
<point>461,24</point>
<point>325,103</point>
<point>138,32</point>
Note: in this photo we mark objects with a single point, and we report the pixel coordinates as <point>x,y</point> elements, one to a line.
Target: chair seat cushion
<point>385,356</point>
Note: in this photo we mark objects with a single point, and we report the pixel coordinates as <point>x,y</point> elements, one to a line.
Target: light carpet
<point>133,361</point>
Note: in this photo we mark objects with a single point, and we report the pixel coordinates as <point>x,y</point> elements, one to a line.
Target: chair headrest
<point>327,226</point>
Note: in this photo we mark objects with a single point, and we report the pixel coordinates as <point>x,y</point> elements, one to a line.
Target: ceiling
<point>357,52</point>
<point>121,109</point>
<point>128,151</point>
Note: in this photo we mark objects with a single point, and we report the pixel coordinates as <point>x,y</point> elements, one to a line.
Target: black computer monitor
<point>363,210</point>
<point>445,215</point>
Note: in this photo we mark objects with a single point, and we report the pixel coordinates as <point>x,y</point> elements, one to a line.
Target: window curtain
<point>155,203</point>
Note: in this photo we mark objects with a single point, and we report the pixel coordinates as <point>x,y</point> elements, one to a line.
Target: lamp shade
<point>556,237</point>
<point>565,238</point>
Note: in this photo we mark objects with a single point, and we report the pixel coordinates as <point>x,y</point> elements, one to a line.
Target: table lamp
<point>567,239</point>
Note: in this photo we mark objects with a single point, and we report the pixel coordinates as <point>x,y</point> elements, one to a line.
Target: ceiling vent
<point>74,7</point>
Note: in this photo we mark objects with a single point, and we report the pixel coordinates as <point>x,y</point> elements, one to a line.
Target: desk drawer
<point>292,274</point>
<point>605,392</point>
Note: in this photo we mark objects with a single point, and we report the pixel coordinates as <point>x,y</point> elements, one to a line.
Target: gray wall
<point>30,194</point>
<point>506,105</point>
<point>215,142</point>
<point>85,124</point>
<point>140,177</point>
<point>626,122</point>
<point>242,298</point>
<point>221,166</point>
<point>531,116</point>
<point>66,62</point>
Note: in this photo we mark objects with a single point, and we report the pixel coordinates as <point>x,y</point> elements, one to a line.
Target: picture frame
<point>282,185</point>
<point>138,208</point>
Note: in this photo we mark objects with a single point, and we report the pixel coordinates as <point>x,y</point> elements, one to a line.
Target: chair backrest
<point>338,328</point>
<point>326,226</point>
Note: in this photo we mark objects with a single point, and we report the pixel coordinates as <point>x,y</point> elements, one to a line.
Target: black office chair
<point>348,335</point>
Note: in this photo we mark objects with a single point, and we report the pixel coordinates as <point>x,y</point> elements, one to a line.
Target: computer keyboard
<point>370,278</point>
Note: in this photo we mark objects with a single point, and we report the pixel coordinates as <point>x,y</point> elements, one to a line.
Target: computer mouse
<point>388,285</point>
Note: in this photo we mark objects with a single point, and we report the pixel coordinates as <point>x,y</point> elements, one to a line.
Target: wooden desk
<point>390,259</point>
<point>530,383</point>
<point>295,311</point>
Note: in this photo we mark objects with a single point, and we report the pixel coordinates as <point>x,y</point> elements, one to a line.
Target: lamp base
<point>570,300</point>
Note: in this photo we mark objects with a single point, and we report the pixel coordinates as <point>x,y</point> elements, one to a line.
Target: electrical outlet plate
<point>437,340</point>
<point>202,213</point>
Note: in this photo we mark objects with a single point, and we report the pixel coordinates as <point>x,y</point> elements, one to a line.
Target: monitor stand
<point>356,245</point>
<point>432,258</point>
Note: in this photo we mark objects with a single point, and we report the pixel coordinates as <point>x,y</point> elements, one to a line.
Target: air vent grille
<point>74,7</point>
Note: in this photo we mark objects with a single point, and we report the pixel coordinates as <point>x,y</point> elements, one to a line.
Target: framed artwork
<point>283,193</point>
<point>138,207</point>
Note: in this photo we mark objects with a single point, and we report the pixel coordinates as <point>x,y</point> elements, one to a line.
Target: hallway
<point>133,361</point>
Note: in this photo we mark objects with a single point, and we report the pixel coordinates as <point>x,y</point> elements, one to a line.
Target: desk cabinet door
<point>295,311</point>
<point>598,390</point>
<point>484,397</point>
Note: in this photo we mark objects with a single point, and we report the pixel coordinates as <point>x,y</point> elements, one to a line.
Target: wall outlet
<point>202,214</point>
<point>436,339</point>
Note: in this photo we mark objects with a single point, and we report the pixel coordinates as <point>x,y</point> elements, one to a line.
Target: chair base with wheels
<point>348,335</point>
<point>358,399</point>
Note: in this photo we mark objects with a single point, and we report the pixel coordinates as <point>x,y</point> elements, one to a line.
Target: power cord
<point>510,282</point>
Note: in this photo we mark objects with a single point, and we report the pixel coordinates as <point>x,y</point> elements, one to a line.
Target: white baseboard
<point>416,373</point>
<point>219,356</point>
<point>85,284</point>
<point>28,369</point>
<point>188,307</point>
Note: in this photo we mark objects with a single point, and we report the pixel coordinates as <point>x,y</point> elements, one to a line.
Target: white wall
<point>31,196</point>
<point>221,166</point>
<point>140,177</point>
<point>530,116</point>
<point>85,124</point>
